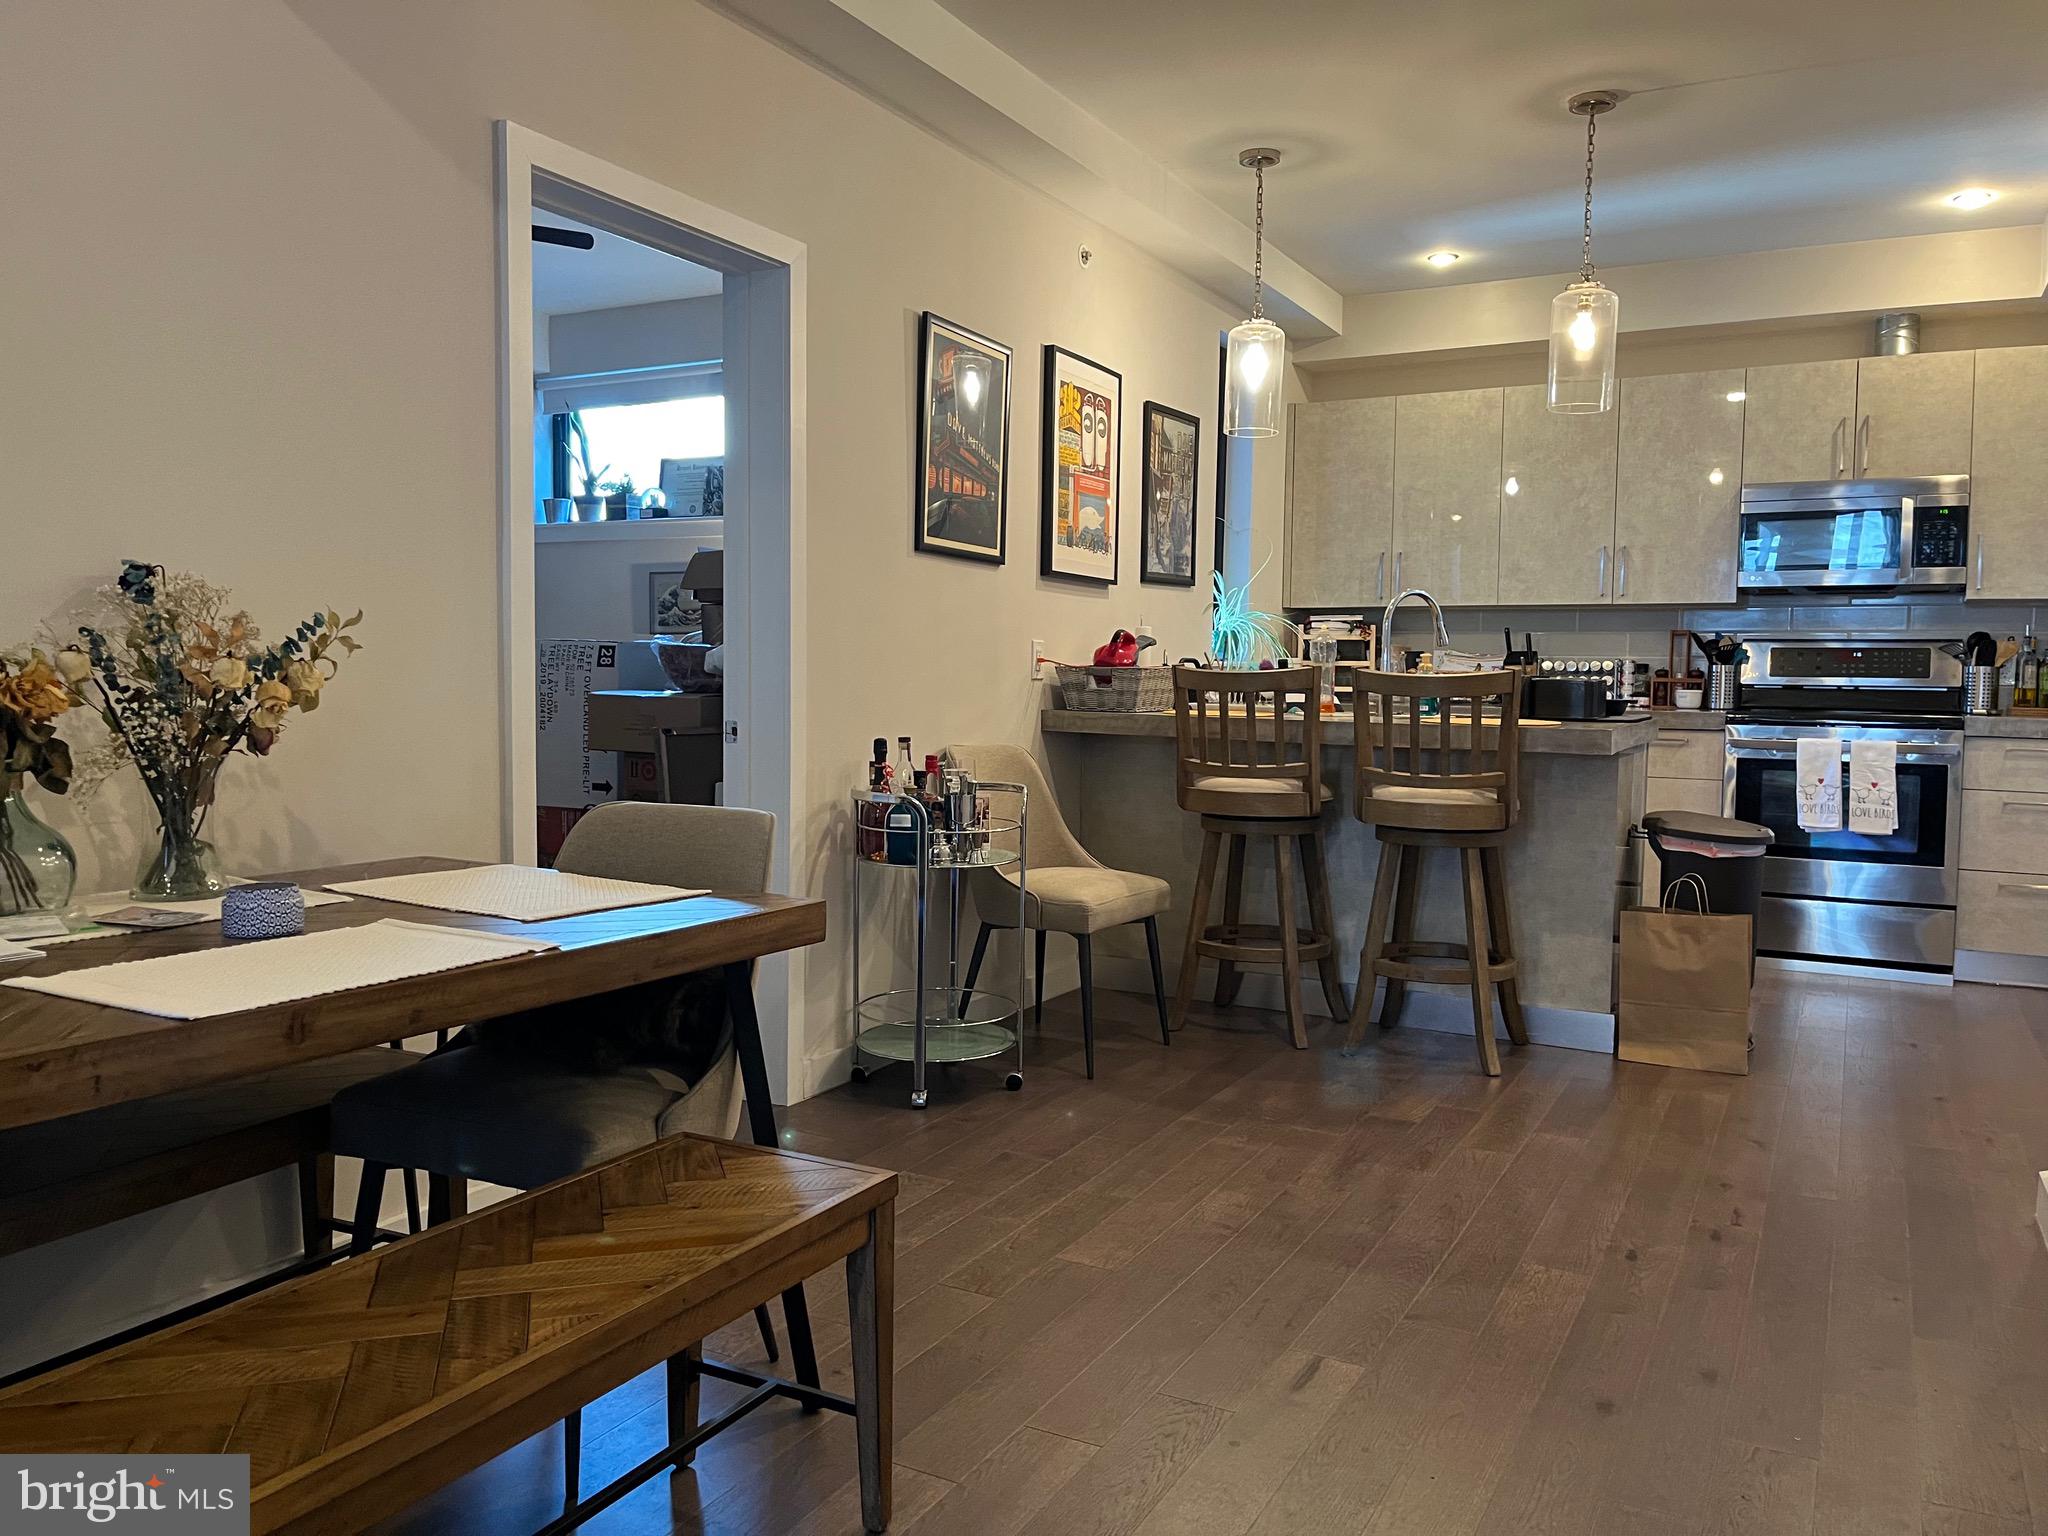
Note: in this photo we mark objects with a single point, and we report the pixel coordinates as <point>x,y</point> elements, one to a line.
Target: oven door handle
<point>1786,750</point>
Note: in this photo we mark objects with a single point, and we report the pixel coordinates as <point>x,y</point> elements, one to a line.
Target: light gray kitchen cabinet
<point>1556,502</point>
<point>1677,482</point>
<point>1799,421</point>
<point>2009,476</point>
<point>1340,507</point>
<point>1447,495</point>
<point>1913,415</point>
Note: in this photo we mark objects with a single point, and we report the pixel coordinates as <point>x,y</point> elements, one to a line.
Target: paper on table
<point>93,906</point>
<point>1818,783</point>
<point>516,891</point>
<point>201,983</point>
<point>1874,787</point>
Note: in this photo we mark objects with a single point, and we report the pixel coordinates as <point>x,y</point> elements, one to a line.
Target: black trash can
<point>1726,854</point>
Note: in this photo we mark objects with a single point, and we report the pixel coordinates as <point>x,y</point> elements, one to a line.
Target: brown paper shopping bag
<point>1684,985</point>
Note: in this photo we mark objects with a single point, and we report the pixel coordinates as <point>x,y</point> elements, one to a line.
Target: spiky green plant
<point>1240,637</point>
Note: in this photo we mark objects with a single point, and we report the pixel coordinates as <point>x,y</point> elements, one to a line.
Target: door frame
<point>766,579</point>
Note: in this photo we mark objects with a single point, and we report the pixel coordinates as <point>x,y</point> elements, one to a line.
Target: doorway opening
<point>651,400</point>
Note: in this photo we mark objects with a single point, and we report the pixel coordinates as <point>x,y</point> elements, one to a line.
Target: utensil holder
<point>1980,690</point>
<point>1723,680</point>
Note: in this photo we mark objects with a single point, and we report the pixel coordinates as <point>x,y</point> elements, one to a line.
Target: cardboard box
<point>632,719</point>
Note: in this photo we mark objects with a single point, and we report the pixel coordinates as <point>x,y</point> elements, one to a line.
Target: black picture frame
<point>1158,565</point>
<point>967,516</point>
<point>1063,544</point>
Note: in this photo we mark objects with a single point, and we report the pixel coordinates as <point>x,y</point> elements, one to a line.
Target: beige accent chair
<point>1066,890</point>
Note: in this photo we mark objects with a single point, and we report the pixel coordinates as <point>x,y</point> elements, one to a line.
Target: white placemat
<point>203,982</point>
<point>93,906</point>
<point>517,891</point>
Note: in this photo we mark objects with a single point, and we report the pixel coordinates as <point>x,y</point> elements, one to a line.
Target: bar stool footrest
<point>1258,944</point>
<point>1444,964</point>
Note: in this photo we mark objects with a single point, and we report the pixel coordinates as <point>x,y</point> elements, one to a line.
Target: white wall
<point>590,580</point>
<point>310,400</point>
<point>636,336</point>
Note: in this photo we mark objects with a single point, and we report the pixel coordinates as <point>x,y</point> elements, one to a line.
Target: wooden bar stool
<point>1449,781</point>
<point>1250,769</point>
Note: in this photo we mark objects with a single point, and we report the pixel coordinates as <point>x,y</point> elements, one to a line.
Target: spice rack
<point>932,1020</point>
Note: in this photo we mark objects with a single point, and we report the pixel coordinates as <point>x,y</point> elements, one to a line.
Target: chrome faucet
<point>1390,658</point>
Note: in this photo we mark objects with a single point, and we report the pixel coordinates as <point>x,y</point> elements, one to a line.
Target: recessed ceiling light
<point>1737,395</point>
<point>1443,258</point>
<point>1971,198</point>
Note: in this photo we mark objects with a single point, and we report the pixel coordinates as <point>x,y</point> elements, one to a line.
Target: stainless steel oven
<point>1855,533</point>
<point>1840,895</point>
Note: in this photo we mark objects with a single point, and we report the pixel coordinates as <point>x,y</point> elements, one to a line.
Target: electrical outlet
<point>1037,660</point>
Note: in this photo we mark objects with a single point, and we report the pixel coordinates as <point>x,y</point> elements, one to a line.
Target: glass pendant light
<point>1583,318</point>
<point>1258,347</point>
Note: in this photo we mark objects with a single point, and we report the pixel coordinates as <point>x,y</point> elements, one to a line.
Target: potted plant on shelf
<point>593,505</point>
<point>181,682</point>
<point>37,867</point>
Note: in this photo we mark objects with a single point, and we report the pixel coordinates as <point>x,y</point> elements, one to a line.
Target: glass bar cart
<point>937,1020</point>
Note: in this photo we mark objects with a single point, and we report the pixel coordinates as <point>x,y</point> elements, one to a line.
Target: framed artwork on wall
<point>1173,442</point>
<point>671,610</point>
<point>1083,436</point>
<point>963,441</point>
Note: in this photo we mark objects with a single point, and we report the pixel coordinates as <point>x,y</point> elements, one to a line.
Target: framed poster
<point>963,441</point>
<point>1083,431</point>
<point>671,610</point>
<point>1172,459</point>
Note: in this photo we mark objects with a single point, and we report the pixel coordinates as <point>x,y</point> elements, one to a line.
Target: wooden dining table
<point>59,1056</point>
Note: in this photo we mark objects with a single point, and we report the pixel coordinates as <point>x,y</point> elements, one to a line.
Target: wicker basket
<point>1119,690</point>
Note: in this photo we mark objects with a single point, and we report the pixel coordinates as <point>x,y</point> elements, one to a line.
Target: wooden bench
<point>357,1390</point>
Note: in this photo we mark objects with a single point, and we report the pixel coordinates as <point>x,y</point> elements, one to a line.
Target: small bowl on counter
<point>1688,698</point>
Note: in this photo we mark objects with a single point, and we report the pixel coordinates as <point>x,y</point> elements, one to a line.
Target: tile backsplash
<point>1645,633</point>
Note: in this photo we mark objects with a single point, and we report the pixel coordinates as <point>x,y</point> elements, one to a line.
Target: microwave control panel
<point>1940,535</point>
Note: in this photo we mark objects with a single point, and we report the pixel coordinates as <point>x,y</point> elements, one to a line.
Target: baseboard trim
<point>2001,970</point>
<point>1446,1011</point>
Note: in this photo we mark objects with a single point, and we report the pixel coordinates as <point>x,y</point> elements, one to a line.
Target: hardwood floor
<point>1232,1288</point>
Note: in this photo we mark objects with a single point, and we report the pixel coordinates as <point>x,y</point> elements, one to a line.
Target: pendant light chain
<point>1259,242</point>
<point>1586,250</point>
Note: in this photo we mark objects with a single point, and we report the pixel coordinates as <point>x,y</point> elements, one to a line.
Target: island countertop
<point>1562,738</point>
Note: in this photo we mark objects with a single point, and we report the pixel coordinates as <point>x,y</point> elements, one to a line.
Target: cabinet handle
<point>1842,448</point>
<point>1621,572</point>
<point>2028,888</point>
<point>1603,570</point>
<point>1397,570</point>
<point>1980,562</point>
<point>2025,805</point>
<point>1382,577</point>
<point>1672,738</point>
<point>1863,446</point>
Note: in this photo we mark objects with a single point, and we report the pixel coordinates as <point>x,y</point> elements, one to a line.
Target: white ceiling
<point>616,271</point>
<point>1756,124</point>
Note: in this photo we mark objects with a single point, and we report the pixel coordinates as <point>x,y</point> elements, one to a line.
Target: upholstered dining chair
<point>1066,890</point>
<point>476,1111</point>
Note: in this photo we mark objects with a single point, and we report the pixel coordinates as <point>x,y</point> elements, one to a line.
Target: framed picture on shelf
<point>671,610</point>
<point>1173,443</point>
<point>1083,431</point>
<point>963,441</point>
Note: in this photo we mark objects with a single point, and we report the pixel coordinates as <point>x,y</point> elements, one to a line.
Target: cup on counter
<point>1688,698</point>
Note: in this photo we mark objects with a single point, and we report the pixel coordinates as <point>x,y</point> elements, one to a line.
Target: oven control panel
<point>1885,663</point>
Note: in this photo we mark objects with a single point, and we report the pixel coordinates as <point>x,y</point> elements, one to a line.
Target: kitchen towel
<point>201,983</point>
<point>517,891</point>
<point>1818,783</point>
<point>1874,787</point>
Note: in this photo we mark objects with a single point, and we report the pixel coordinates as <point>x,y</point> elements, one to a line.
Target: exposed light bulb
<point>1583,332</point>
<point>1715,477</point>
<point>1513,487</point>
<point>1252,366</point>
<point>1737,396</point>
<point>970,386</point>
<point>1971,198</point>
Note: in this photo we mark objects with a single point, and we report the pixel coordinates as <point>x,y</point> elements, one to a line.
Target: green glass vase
<point>37,867</point>
<point>181,867</point>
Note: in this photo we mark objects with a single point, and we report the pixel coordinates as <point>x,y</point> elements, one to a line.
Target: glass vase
<point>37,867</point>
<point>181,867</point>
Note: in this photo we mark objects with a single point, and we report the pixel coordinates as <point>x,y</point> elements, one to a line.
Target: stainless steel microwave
<point>1855,533</point>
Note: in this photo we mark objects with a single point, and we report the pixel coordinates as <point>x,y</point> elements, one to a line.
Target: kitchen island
<point>1569,862</point>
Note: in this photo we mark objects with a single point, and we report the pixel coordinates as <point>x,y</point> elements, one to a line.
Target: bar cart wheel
<point>860,1073</point>
<point>917,1098</point>
<point>1014,1081</point>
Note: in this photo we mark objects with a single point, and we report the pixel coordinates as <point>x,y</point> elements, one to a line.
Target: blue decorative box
<point>270,910</point>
